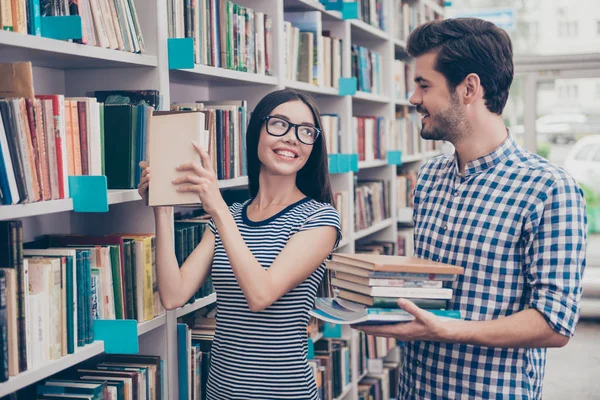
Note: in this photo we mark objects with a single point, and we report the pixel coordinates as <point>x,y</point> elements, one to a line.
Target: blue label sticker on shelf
<point>354,162</point>
<point>181,53</point>
<point>62,27</point>
<point>89,193</point>
<point>332,331</point>
<point>347,86</point>
<point>311,349</point>
<point>333,163</point>
<point>335,5</point>
<point>349,10</point>
<point>120,336</point>
<point>394,157</point>
<point>344,163</point>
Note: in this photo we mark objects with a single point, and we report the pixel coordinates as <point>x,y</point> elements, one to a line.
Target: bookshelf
<point>73,69</point>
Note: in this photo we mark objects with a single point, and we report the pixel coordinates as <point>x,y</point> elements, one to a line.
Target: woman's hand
<point>202,180</point>
<point>144,187</point>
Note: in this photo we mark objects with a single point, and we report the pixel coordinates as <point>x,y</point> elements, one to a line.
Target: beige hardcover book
<point>170,144</point>
<point>395,264</point>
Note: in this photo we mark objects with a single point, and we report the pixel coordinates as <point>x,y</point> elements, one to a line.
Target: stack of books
<point>367,287</point>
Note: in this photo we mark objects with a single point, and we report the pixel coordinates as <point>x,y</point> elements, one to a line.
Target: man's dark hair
<point>465,46</point>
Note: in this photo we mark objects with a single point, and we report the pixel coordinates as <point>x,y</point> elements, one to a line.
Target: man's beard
<point>446,124</point>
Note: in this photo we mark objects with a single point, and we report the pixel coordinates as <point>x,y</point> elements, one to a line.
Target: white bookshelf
<point>76,70</point>
<point>196,305</point>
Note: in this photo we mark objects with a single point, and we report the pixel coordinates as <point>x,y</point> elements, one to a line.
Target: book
<point>330,310</point>
<point>170,145</point>
<point>376,262</point>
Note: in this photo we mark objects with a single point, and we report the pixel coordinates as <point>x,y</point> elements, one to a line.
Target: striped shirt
<point>263,355</point>
<point>517,225</point>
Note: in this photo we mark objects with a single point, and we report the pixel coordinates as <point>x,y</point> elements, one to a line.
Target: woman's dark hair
<point>465,46</point>
<point>313,178</point>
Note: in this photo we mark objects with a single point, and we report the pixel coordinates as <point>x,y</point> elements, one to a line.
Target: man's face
<point>443,117</point>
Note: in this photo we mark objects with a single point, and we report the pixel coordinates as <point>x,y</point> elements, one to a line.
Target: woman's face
<point>286,155</point>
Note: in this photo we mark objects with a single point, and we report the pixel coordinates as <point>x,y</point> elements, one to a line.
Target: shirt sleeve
<point>324,216</point>
<point>555,237</point>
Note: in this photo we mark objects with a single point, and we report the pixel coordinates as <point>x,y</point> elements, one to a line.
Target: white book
<point>119,30</point>
<point>99,24</point>
<point>170,144</point>
<point>62,252</point>
<point>382,291</point>
<point>259,38</point>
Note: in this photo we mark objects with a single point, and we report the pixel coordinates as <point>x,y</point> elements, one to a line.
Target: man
<point>514,222</point>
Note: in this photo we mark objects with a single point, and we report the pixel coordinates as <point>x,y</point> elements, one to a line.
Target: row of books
<point>194,342</point>
<point>332,367</point>
<point>371,203</point>
<point>226,34</point>
<point>189,230</point>
<point>405,242</point>
<point>111,24</point>
<point>312,54</point>
<point>116,376</point>
<point>400,83</point>
<point>406,17</point>
<point>367,287</point>
<point>332,130</point>
<point>374,13</point>
<point>57,285</point>
<point>341,199</point>
<point>381,385</point>
<point>367,67</point>
<point>405,186</point>
<point>406,132</point>
<point>370,137</point>
<point>226,123</point>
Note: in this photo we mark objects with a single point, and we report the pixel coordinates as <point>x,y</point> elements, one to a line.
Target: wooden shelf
<point>221,76</point>
<point>116,196</point>
<point>198,304</point>
<point>312,5</point>
<point>363,31</point>
<point>371,97</point>
<point>51,53</point>
<point>29,377</point>
<point>307,87</point>
<point>372,164</point>
<point>403,102</point>
<point>376,227</point>
<point>151,325</point>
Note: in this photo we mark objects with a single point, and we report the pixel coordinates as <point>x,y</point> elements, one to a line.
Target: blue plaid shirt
<point>517,225</point>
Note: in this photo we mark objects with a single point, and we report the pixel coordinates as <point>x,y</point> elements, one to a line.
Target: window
<point>584,153</point>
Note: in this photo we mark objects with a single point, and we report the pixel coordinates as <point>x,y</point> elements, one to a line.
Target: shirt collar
<point>490,160</point>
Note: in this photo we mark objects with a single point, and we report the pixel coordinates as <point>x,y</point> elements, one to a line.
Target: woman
<point>266,256</point>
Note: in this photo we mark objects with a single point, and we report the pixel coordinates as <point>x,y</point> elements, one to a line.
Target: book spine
<point>3,329</point>
<point>83,136</point>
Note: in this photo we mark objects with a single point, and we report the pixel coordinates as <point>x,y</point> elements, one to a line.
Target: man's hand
<point>425,326</point>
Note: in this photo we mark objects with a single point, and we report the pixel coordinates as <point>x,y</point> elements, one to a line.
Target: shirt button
<point>435,258</point>
<point>455,193</point>
<point>417,363</point>
<point>445,227</point>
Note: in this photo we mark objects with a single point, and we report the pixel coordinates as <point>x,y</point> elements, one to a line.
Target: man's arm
<point>554,263</point>
<point>527,328</point>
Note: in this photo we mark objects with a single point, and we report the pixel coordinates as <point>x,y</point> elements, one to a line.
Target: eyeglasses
<point>276,126</point>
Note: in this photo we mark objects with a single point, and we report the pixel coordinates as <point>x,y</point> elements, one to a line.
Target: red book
<point>58,110</point>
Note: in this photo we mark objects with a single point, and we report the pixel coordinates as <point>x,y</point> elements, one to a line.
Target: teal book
<point>182,333</point>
